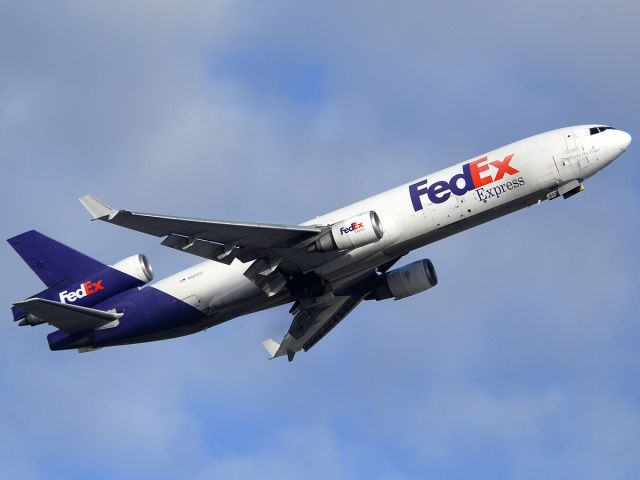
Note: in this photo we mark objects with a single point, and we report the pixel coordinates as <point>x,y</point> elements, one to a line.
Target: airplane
<point>324,267</point>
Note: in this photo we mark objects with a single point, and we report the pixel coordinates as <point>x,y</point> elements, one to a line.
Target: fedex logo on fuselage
<point>474,175</point>
<point>87,288</point>
<point>351,228</point>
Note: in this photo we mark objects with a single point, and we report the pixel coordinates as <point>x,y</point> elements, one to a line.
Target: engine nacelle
<point>136,266</point>
<point>351,233</point>
<point>406,281</point>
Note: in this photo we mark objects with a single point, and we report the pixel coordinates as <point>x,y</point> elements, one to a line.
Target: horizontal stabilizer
<point>69,318</point>
<point>271,346</point>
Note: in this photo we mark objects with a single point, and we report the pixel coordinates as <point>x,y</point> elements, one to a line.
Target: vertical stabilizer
<point>52,261</point>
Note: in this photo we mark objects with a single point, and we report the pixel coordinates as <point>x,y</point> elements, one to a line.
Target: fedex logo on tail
<point>351,228</point>
<point>474,175</point>
<point>86,288</point>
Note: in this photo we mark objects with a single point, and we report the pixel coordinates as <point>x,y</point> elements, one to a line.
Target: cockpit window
<point>594,130</point>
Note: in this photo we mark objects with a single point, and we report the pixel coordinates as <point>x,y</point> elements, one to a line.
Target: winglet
<point>97,208</point>
<point>271,346</point>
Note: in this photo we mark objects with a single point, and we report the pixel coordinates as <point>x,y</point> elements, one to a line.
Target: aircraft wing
<point>311,322</point>
<point>69,318</point>
<point>216,240</point>
<point>315,317</point>
<point>278,252</point>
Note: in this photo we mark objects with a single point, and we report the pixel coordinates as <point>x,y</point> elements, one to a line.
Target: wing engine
<point>358,231</point>
<point>405,281</point>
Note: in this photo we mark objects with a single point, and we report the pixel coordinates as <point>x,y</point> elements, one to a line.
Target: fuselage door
<point>570,163</point>
<point>570,140</point>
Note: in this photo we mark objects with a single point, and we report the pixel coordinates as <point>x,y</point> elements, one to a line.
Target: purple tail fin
<point>52,261</point>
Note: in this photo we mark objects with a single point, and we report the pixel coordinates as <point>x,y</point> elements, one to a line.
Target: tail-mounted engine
<point>136,266</point>
<point>405,281</point>
<point>351,233</point>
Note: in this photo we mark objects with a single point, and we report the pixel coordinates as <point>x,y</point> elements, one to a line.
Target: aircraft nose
<point>625,140</point>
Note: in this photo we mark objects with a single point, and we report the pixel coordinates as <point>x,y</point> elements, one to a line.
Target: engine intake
<point>405,281</point>
<point>355,232</point>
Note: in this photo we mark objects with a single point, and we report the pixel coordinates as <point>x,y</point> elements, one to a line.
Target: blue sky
<point>522,363</point>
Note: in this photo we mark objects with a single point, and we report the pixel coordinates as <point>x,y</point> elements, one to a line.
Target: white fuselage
<point>420,212</point>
